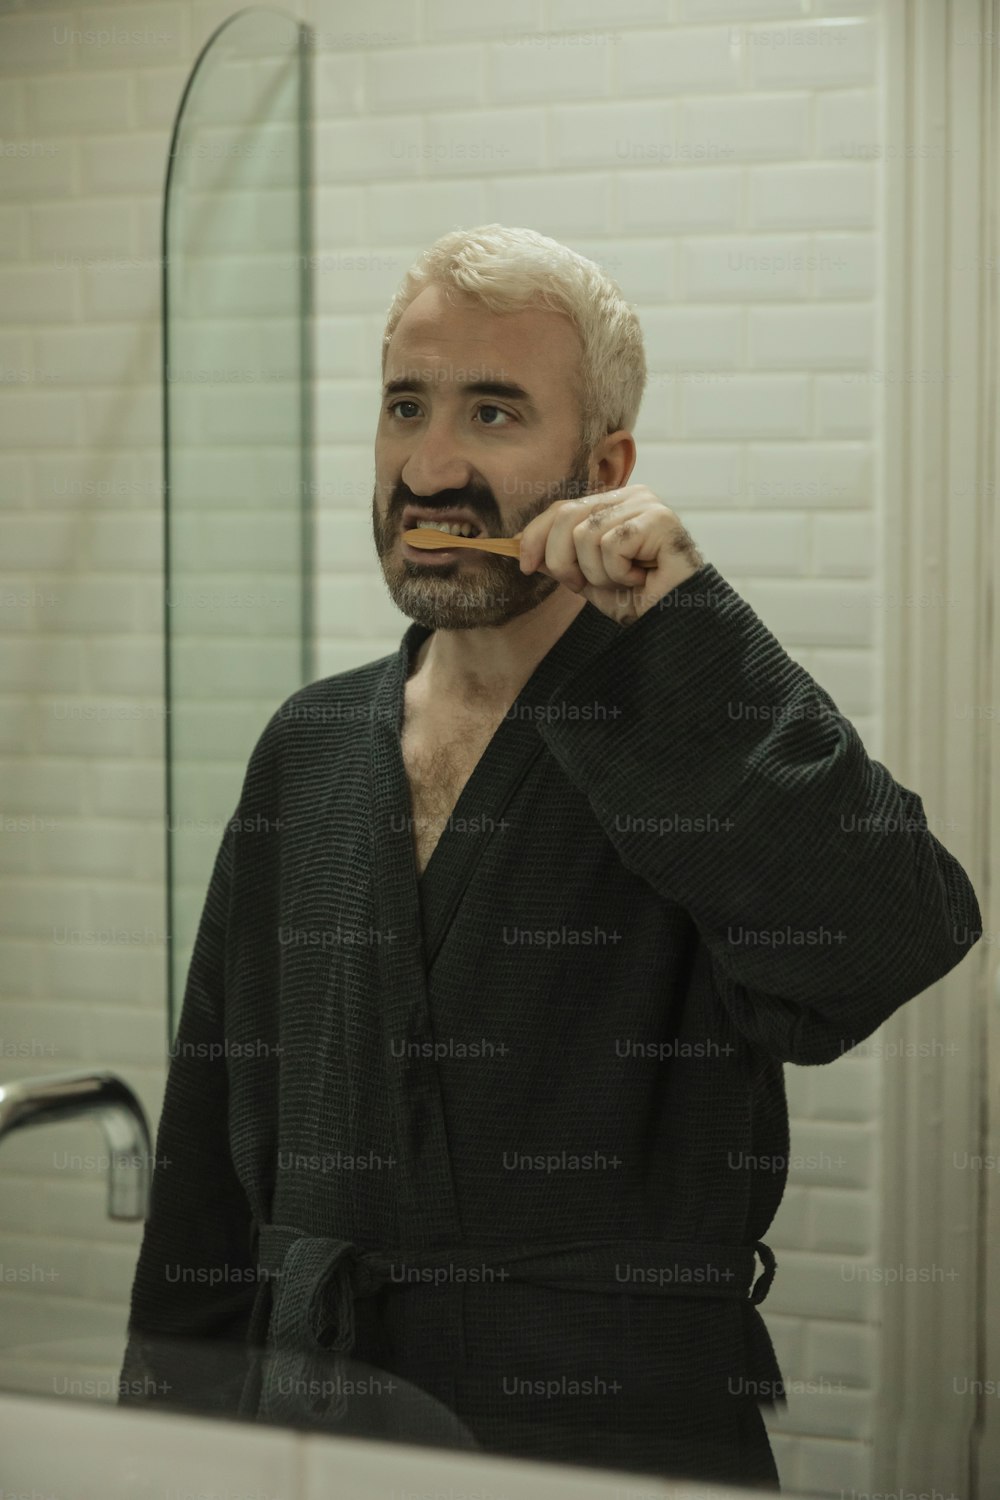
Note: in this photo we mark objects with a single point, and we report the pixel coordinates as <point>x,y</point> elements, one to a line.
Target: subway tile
<point>748,406</point>
<point>134,36</point>
<point>846,120</point>
<point>13,108</point>
<point>810,475</point>
<point>16,367</point>
<point>807,1281</point>
<point>339,81</point>
<point>385,23</point>
<point>678,339</point>
<point>339,214</point>
<point>810,338</point>
<point>844,265</point>
<point>82,356</point>
<point>754,129</point>
<point>158,96</point>
<point>828,1408</point>
<point>658,198</point>
<point>852,1091</point>
<point>367,149</point>
<point>846,1352</point>
<point>38,43</point>
<point>844,546</point>
<point>124,789</point>
<point>841,1222</point>
<point>671,60</point>
<point>94,101</point>
<point>540,74</point>
<point>771,546</point>
<point>14,481</point>
<point>815,612</point>
<point>569,15</point>
<point>119,166</point>
<point>141,424</point>
<point>66,235</point>
<point>35,167</point>
<point>502,140</point>
<point>24,663</point>
<point>832,1155</point>
<point>705,11</point>
<point>536,202</point>
<point>40,418</point>
<point>812,55</point>
<point>845,405</point>
<point>817,195</point>
<point>14,232</point>
<point>447,20</point>
<point>610,134</point>
<point>416,213</point>
<point>734,268</point>
<point>643,269</point>
<point>427,78</point>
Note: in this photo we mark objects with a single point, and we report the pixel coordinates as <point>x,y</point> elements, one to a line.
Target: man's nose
<point>436,461</point>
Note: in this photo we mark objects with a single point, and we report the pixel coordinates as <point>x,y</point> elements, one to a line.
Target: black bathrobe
<point>513,1129</point>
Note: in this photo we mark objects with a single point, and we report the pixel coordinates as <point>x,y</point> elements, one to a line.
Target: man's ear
<point>616,453</point>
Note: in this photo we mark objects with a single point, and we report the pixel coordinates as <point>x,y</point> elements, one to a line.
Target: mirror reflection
<point>506,1013</point>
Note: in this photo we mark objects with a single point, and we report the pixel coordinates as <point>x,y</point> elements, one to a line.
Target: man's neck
<point>488,667</point>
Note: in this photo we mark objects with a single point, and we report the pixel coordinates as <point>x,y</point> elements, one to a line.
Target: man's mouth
<point>452,528</point>
<point>455,522</point>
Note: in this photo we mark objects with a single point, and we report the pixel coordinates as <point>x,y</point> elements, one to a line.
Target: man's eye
<point>488,406</point>
<point>484,406</point>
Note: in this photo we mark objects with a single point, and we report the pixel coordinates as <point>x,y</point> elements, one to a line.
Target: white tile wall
<point>709,153</point>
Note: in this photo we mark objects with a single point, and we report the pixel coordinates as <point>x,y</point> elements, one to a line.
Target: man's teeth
<point>453,528</point>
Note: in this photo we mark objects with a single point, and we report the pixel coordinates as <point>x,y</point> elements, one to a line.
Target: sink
<point>93,1448</point>
<point>79,1451</point>
<point>330,1393</point>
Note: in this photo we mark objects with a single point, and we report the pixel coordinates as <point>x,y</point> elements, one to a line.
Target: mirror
<point>683,157</point>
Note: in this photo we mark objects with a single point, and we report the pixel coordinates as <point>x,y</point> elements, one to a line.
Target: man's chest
<point>441,744</point>
<point>439,757</point>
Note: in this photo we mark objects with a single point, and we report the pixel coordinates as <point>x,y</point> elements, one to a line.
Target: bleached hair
<point>508,270</point>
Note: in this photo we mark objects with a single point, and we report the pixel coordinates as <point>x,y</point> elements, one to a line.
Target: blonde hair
<point>509,270</point>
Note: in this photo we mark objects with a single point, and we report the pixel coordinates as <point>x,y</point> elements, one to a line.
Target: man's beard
<point>486,591</point>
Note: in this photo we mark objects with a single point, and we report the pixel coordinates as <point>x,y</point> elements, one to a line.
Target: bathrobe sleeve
<point>728,779</point>
<point>195,1275</point>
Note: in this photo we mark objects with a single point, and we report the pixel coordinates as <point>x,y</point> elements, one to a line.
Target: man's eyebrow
<point>507,389</point>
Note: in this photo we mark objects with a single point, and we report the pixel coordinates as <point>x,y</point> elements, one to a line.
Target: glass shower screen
<point>236,390</point>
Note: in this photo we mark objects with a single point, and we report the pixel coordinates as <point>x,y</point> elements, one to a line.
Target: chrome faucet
<point>61,1096</point>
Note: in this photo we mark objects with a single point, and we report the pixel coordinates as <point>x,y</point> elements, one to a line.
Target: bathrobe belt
<point>317,1279</point>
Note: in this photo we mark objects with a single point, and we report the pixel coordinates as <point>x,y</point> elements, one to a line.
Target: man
<point>479,1072</point>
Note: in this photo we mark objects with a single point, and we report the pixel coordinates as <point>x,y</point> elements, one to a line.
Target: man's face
<point>498,457</point>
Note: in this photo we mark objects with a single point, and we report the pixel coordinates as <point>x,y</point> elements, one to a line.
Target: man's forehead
<point>438,345</point>
<point>438,323</point>
<point>426,347</point>
<point>427,340</point>
<point>442,368</point>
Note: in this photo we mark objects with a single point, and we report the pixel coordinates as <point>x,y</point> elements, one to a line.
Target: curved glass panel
<point>236,378</point>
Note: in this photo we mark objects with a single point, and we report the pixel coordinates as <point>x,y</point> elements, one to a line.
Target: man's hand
<point>621,549</point>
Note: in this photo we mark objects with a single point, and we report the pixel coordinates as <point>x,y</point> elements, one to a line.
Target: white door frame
<point>939,410</point>
<point>987,1437</point>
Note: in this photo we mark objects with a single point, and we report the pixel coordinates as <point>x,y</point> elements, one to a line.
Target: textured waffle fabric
<point>673,870</point>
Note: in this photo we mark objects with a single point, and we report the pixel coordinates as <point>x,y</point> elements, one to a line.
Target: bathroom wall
<point>720,159</point>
